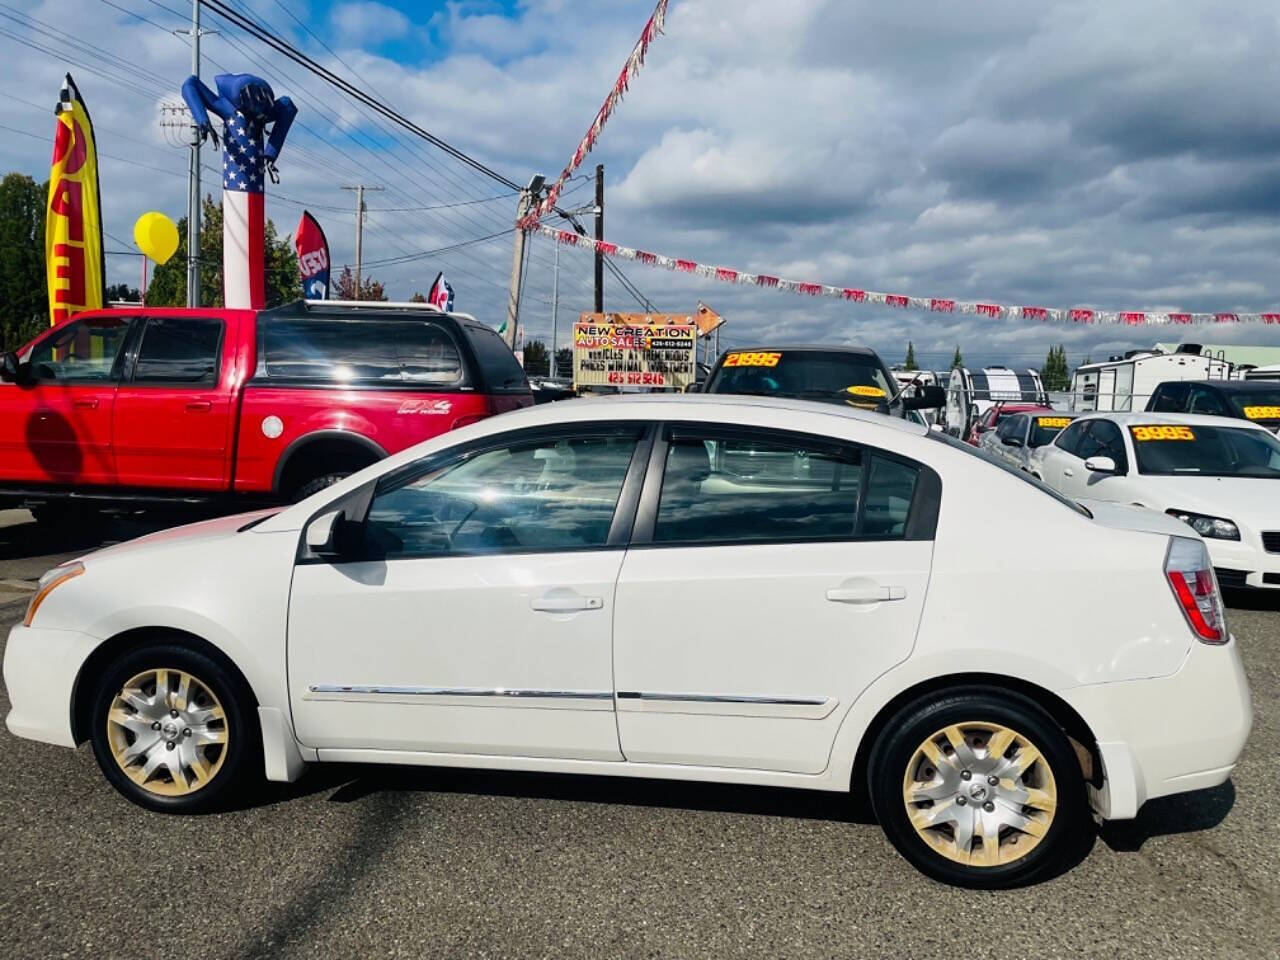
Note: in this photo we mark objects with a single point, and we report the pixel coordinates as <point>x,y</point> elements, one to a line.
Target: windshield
<point>852,378</point>
<point>1181,450</point>
<point>1044,429</point>
<point>1260,406</point>
<point>1022,475</point>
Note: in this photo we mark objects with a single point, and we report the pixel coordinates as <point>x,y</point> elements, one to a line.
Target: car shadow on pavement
<point>1182,813</point>
<point>353,782</point>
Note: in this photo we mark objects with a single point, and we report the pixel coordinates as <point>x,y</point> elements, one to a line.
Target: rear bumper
<point>40,670</point>
<point>1169,735</point>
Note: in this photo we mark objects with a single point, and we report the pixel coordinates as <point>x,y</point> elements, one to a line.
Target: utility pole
<point>599,236</point>
<point>554,305</point>
<point>193,173</point>
<point>527,198</point>
<point>359,188</point>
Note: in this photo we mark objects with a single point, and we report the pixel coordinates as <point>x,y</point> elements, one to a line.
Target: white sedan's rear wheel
<point>980,793</point>
<point>979,788</point>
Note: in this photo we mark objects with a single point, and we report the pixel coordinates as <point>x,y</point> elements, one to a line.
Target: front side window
<point>1069,439</point>
<point>1106,440</point>
<point>1183,450</point>
<point>82,352</point>
<point>1170,398</point>
<point>179,350</point>
<point>1206,401</point>
<point>546,494</point>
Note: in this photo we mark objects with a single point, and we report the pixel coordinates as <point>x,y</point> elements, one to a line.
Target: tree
<point>370,289</point>
<point>123,292</point>
<point>564,362</point>
<point>958,359</point>
<point>1055,373</point>
<point>537,360</point>
<point>24,297</point>
<point>911,357</point>
<point>168,287</point>
<point>417,297</point>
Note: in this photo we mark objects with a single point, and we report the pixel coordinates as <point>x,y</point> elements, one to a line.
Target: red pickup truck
<point>148,405</point>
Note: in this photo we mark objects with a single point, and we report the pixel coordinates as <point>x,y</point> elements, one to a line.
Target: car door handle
<point>90,403</point>
<point>866,594</point>
<point>565,604</point>
<point>199,406</point>
<point>1068,472</point>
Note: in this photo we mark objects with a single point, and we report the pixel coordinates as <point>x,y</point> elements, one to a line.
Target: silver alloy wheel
<point>980,794</point>
<point>168,732</point>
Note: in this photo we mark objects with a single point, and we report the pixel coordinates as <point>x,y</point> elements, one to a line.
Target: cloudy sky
<point>1115,155</point>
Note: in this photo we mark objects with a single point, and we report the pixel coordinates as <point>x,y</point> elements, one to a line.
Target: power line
<point>284,47</point>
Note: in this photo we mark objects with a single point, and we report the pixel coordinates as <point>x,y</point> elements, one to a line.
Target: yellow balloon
<point>156,236</point>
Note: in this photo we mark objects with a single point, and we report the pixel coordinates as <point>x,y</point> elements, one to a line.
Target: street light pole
<point>555,306</point>
<point>193,177</point>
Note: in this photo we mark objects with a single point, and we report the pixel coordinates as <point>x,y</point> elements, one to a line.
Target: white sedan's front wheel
<point>172,729</point>
<point>979,789</point>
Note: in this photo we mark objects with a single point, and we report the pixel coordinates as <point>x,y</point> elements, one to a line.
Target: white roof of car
<point>676,406</point>
<point>1190,419</point>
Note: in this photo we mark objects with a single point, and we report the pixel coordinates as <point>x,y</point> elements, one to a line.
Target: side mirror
<point>9,367</point>
<point>322,534</point>
<point>331,535</point>
<point>693,388</point>
<point>926,398</point>
<point>1100,465</point>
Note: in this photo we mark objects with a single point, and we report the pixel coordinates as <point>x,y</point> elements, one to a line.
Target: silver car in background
<point>1018,436</point>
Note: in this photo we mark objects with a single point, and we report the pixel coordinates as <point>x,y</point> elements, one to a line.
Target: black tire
<point>892,758</point>
<point>318,484</point>
<point>241,753</point>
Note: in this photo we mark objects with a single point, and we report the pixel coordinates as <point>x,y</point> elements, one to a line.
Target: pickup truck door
<point>55,423</point>
<point>172,415</point>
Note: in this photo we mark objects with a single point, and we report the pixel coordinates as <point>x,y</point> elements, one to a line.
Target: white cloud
<point>355,24</point>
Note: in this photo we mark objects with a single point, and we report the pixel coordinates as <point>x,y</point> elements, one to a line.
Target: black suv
<point>1257,401</point>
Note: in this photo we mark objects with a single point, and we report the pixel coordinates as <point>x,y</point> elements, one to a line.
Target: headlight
<point>54,578</point>
<point>1211,528</point>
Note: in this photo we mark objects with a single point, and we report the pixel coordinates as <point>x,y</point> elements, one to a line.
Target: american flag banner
<point>246,106</point>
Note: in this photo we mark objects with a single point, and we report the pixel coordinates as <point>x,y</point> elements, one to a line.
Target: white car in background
<point>1220,475</point>
<point>734,589</point>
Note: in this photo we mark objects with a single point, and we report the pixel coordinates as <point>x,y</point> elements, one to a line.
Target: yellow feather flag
<point>73,255</point>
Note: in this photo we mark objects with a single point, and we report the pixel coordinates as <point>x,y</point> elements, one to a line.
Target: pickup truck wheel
<point>172,730</point>
<point>318,484</point>
<point>979,789</point>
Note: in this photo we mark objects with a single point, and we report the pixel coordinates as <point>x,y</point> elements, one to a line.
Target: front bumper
<point>1242,563</point>
<point>40,670</point>
<point>1168,735</point>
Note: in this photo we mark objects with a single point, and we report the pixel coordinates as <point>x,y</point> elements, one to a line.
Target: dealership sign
<point>634,350</point>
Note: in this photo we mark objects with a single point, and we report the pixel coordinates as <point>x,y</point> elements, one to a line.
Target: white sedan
<point>739,589</point>
<point>1220,475</point>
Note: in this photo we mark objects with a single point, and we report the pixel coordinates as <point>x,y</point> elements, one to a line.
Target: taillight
<point>1196,588</point>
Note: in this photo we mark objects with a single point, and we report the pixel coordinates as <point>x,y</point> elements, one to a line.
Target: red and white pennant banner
<point>996,311</point>
<point>629,70</point>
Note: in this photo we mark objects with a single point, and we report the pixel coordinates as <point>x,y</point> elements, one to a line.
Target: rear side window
<point>182,350</point>
<point>359,351</point>
<point>720,489</point>
<point>1206,401</point>
<point>498,365</point>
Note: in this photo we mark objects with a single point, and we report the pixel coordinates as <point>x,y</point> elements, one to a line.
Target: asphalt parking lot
<point>371,862</point>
